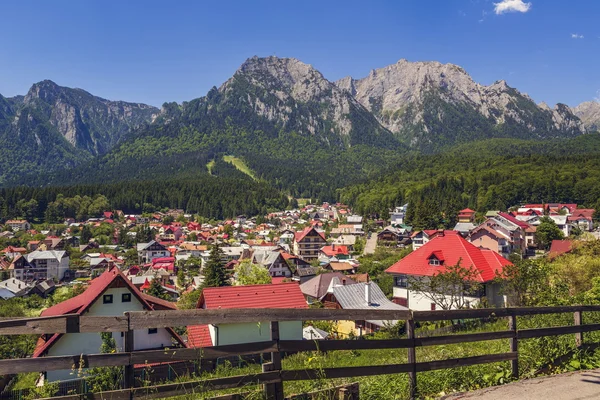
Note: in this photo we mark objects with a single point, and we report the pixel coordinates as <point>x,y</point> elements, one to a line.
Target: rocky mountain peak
<point>589,113</point>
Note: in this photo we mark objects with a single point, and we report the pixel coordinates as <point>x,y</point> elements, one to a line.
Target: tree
<point>189,300</point>
<point>156,290</point>
<point>449,289</point>
<point>547,231</point>
<point>247,273</point>
<point>214,270</point>
<point>86,234</point>
<point>526,283</point>
<point>107,378</point>
<point>181,278</point>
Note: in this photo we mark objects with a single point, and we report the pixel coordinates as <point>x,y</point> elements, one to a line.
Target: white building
<point>41,265</point>
<point>111,294</point>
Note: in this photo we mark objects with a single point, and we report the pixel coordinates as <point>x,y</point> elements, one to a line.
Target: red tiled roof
<point>452,247</point>
<point>560,247</point>
<point>285,295</point>
<point>335,250</point>
<point>466,211</point>
<point>520,224</point>
<point>300,235</point>
<point>199,336</point>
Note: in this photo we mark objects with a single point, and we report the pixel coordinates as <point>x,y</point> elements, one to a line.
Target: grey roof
<point>45,255</point>
<point>306,271</point>
<point>317,286</point>
<point>144,246</point>
<point>266,258</point>
<point>14,285</point>
<point>464,227</point>
<point>312,333</point>
<point>352,297</point>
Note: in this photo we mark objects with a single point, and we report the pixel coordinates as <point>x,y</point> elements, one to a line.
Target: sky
<point>157,51</point>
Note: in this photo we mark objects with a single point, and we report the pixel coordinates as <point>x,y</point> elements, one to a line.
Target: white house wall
<point>254,332</point>
<point>89,343</point>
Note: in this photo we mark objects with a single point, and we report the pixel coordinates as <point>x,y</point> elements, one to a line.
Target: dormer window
<point>436,258</point>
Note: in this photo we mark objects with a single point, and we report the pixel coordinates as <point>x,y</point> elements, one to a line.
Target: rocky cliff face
<point>430,104</point>
<point>296,97</point>
<point>85,121</point>
<point>589,113</point>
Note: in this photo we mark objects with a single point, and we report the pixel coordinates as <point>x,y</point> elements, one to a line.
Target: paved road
<point>370,245</point>
<point>582,385</point>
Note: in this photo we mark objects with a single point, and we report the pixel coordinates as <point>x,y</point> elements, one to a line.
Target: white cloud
<point>506,6</point>
<point>576,36</point>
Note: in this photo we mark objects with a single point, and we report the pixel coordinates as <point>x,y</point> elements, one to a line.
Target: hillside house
<point>318,288</point>
<point>284,295</point>
<point>273,261</point>
<point>466,215</point>
<point>308,242</point>
<point>18,224</point>
<point>41,265</point>
<point>447,249</point>
<point>111,294</point>
<point>151,250</point>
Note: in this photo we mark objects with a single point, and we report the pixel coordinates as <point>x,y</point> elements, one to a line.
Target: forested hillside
<point>487,175</point>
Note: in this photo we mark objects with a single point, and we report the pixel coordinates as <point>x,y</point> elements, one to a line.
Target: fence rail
<point>273,375</point>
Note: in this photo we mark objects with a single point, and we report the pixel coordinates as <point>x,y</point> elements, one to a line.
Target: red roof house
<point>446,250</point>
<point>283,295</point>
<point>560,247</point>
<point>107,295</point>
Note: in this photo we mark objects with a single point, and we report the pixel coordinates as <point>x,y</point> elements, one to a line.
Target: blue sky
<point>156,51</point>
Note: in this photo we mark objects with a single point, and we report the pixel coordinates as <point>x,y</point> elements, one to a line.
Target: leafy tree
<point>106,378</point>
<point>189,300</point>
<point>214,270</point>
<point>450,288</point>
<point>86,234</point>
<point>529,283</point>
<point>247,273</point>
<point>547,231</point>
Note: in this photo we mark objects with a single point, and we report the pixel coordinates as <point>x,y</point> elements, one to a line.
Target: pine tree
<point>156,290</point>
<point>214,271</point>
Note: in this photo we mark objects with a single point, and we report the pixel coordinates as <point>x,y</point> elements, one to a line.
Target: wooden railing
<point>273,375</point>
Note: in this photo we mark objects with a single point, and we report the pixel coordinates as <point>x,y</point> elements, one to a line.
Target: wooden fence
<point>273,376</point>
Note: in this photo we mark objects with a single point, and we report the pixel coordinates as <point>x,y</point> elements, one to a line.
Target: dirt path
<point>581,385</point>
<point>371,244</point>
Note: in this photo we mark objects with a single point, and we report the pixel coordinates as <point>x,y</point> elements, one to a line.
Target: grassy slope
<point>240,165</point>
<point>533,353</point>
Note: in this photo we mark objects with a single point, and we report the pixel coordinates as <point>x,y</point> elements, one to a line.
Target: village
<point>318,256</point>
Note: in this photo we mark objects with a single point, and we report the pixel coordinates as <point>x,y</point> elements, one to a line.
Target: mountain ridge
<point>269,102</point>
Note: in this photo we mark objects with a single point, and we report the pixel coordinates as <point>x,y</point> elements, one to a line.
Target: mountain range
<point>280,115</point>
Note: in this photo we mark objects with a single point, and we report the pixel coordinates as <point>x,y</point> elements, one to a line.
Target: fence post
<point>128,347</point>
<point>412,359</point>
<point>514,345</point>
<point>578,320</point>
<point>274,391</point>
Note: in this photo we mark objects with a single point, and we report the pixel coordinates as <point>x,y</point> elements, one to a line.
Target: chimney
<point>368,293</point>
<point>343,282</point>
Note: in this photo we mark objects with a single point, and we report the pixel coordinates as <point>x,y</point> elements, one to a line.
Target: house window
<point>401,281</point>
<point>107,299</point>
<point>432,306</point>
<point>152,331</point>
<point>126,298</point>
<point>434,261</point>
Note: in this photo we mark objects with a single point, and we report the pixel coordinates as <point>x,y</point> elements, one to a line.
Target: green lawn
<point>240,165</point>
